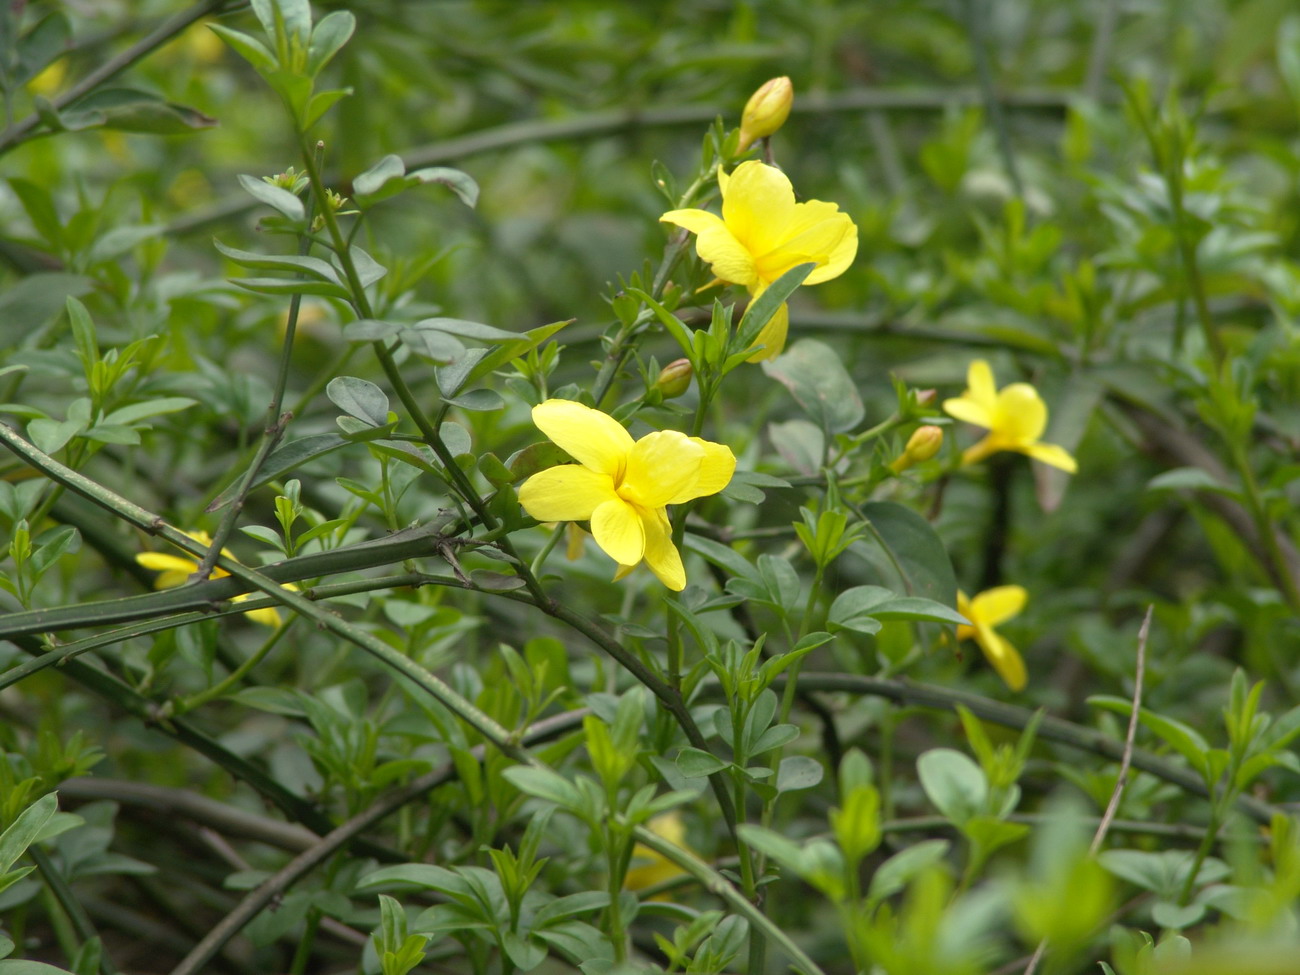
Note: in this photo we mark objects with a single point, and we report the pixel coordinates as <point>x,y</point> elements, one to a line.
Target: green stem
<point>236,676</point>
<point>1266,530</point>
<point>273,430</point>
<point>428,431</point>
<point>716,884</point>
<point>1202,851</point>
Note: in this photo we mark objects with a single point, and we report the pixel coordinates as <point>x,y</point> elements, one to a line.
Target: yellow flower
<point>176,570</point>
<point>654,867</point>
<point>622,486</point>
<point>1015,418</point>
<point>766,111</point>
<point>985,611</point>
<point>763,233</point>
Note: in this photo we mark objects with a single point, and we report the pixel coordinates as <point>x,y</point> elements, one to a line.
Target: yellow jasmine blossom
<point>763,233</point>
<point>985,611</point>
<point>1015,418</point>
<point>652,866</point>
<point>176,570</point>
<point>622,486</point>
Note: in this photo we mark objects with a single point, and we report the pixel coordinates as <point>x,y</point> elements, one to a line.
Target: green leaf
<point>275,197</point>
<point>815,375</point>
<point>284,459</point>
<point>135,412</point>
<point>1190,479</point>
<point>313,266</point>
<point>857,608</point>
<point>696,763</point>
<point>954,784</point>
<point>328,38</point>
<point>249,48</point>
<point>544,784</point>
<point>35,299</point>
<point>761,309</point>
<point>19,966</point>
<point>800,443</point>
<point>437,347</point>
<point>909,550</point>
<point>798,772</point>
<point>895,873</point>
<point>286,286</point>
<point>1183,739</point>
<point>287,19</point>
<point>24,830</point>
<point>466,329</point>
<point>131,110</point>
<point>44,43</point>
<point>359,398</point>
<point>388,177</point>
<point>477,363</point>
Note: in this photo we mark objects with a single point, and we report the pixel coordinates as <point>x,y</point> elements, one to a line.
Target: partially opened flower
<point>1015,418</point>
<point>763,233</point>
<point>985,611</point>
<point>175,570</point>
<point>622,486</point>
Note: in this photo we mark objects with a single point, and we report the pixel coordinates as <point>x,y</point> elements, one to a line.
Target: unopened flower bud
<point>766,111</point>
<point>922,445</point>
<point>925,397</point>
<point>674,379</point>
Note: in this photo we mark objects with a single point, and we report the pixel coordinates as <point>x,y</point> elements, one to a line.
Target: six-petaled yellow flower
<point>175,570</point>
<point>1015,418</point>
<point>622,486</point>
<point>985,611</point>
<point>763,233</point>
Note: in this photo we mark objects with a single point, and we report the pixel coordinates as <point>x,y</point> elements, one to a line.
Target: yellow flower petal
<point>997,605</point>
<point>162,562</point>
<point>661,554</point>
<point>1004,657</point>
<point>266,616</point>
<point>757,205</point>
<point>980,386</point>
<point>817,232</point>
<point>728,258</point>
<point>772,335</point>
<point>716,469</point>
<point>1050,453</point>
<point>661,466</point>
<point>594,439</point>
<point>616,527</point>
<point>565,493</point>
<point>969,410</point>
<point>1020,416</point>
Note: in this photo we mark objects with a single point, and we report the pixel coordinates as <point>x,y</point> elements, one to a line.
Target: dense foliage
<point>483,493</point>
